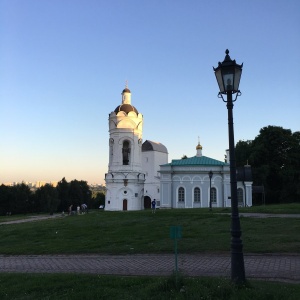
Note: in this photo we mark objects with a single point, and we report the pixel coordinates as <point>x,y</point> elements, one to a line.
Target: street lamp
<point>228,74</point>
<point>210,174</point>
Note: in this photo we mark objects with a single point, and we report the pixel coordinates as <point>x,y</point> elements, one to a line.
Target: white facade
<point>125,179</point>
<point>139,172</point>
<point>185,183</point>
<point>153,155</point>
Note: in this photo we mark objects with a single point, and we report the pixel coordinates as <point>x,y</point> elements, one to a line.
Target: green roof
<point>196,161</point>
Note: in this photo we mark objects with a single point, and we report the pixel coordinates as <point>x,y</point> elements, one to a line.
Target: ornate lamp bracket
<point>239,93</point>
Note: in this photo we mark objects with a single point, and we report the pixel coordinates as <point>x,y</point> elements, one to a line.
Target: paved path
<point>31,219</point>
<point>267,267</point>
<point>263,215</point>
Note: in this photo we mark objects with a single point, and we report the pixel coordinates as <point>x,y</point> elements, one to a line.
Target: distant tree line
<point>20,199</point>
<point>274,156</point>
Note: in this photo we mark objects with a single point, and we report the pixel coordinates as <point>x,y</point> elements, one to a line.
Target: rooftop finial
<point>227,57</point>
<point>198,147</point>
<point>126,84</point>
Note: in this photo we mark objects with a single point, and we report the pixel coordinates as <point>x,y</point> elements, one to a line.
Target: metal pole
<point>237,257</point>
<point>176,260</point>
<point>210,193</point>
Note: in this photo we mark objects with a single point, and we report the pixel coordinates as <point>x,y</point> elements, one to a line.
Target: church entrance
<point>147,202</point>
<point>124,204</point>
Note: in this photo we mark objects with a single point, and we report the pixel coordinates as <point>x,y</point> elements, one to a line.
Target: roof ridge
<point>197,160</point>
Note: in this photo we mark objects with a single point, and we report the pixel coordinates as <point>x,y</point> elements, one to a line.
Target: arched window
<point>111,148</point>
<point>126,152</point>
<point>213,195</point>
<point>181,194</point>
<point>240,197</point>
<point>197,195</point>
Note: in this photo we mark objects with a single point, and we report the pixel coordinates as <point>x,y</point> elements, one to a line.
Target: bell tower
<point>124,179</point>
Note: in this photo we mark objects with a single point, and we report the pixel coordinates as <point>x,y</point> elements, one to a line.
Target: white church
<point>139,172</point>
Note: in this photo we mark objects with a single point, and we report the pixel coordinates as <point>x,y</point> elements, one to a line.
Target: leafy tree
<point>73,193</point>
<point>291,172</point>
<point>243,152</point>
<point>98,200</point>
<point>5,199</point>
<point>16,199</point>
<point>63,195</point>
<point>79,193</point>
<point>21,199</point>
<point>47,198</point>
<point>86,193</point>
<point>275,159</point>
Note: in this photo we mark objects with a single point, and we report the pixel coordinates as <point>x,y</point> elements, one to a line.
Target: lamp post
<point>210,174</point>
<point>228,75</point>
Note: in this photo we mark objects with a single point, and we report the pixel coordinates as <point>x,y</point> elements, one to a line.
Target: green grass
<point>291,208</point>
<point>144,232</point>
<point>72,286</point>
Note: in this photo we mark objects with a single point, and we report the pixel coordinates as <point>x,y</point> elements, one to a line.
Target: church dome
<point>198,147</point>
<point>127,108</point>
<point>126,90</point>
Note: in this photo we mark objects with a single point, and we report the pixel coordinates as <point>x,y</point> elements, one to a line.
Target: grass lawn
<point>70,286</point>
<point>144,232</point>
<point>291,208</point>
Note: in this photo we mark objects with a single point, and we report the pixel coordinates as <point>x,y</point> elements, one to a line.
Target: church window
<point>181,194</point>
<point>126,152</point>
<point>197,195</point>
<point>213,195</point>
<point>111,144</point>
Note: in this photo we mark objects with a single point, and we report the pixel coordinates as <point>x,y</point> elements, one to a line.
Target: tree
<point>98,200</point>
<point>63,194</point>
<point>291,173</point>
<point>5,197</point>
<point>47,198</point>
<point>243,152</point>
<point>79,193</point>
<point>275,159</point>
<point>21,199</point>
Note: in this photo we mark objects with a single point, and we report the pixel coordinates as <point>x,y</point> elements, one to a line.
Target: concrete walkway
<point>263,215</point>
<point>31,219</point>
<point>275,267</point>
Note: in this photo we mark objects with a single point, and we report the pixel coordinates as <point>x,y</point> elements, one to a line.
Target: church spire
<point>126,94</point>
<point>199,148</point>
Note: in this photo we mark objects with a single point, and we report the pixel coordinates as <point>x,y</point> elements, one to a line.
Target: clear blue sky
<point>64,63</point>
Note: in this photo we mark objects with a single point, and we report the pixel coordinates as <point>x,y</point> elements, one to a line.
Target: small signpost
<point>175,234</point>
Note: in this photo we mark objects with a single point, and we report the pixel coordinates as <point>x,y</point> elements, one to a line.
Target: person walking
<point>153,205</point>
<point>70,209</point>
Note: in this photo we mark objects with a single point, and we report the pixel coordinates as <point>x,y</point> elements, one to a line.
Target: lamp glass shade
<point>218,73</point>
<point>228,75</point>
<point>237,78</point>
